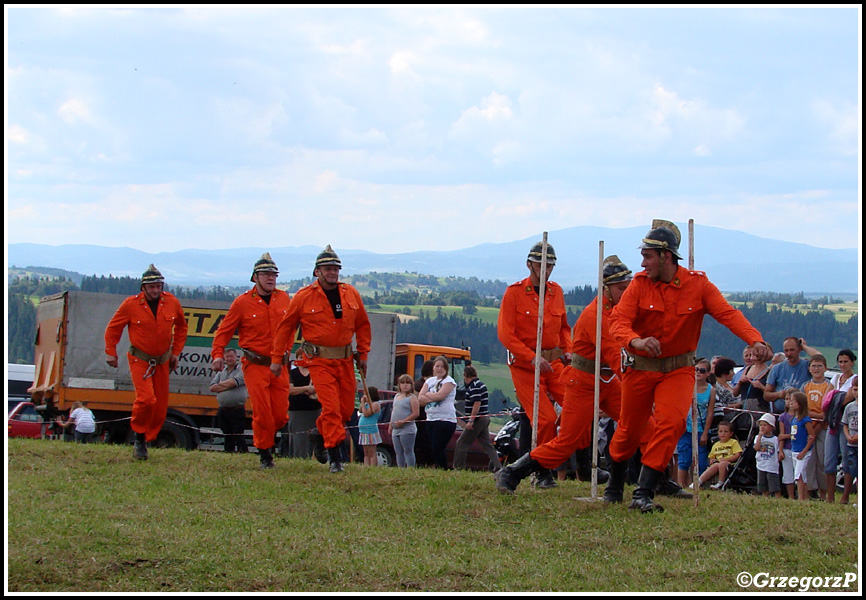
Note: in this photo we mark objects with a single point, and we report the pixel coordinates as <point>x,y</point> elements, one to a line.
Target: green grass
<point>485,314</point>
<point>89,519</point>
<point>843,312</point>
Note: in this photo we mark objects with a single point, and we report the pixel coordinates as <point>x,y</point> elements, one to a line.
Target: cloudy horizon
<point>427,128</point>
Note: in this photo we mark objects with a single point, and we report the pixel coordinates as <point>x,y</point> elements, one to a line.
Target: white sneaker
<point>717,486</point>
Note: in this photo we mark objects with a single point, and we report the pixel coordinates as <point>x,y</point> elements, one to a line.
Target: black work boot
<point>545,479</point>
<point>616,482</point>
<point>139,448</point>
<point>336,457</point>
<point>584,467</point>
<point>266,458</point>
<point>319,450</point>
<point>642,497</point>
<point>509,477</point>
<point>669,487</point>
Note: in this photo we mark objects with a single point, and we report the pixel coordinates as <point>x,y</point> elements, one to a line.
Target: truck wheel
<point>173,435</point>
<point>385,456</point>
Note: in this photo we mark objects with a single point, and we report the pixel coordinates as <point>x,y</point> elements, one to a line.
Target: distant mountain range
<point>733,260</point>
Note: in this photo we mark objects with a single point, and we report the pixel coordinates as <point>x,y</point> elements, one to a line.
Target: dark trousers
<point>440,434</point>
<point>84,438</point>
<point>233,423</point>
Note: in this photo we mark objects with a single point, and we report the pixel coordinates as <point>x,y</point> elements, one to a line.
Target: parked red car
<point>24,421</point>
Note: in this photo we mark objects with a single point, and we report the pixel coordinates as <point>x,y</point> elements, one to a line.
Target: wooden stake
<point>695,467</point>
<point>599,309</point>
<point>541,294</point>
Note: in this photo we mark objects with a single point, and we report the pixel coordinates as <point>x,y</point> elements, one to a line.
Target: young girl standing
<point>785,454</point>
<point>706,406</point>
<point>368,426</point>
<point>802,440</point>
<point>402,427</point>
<point>437,396</point>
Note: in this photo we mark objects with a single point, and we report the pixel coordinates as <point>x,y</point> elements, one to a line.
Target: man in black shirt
<point>477,425</point>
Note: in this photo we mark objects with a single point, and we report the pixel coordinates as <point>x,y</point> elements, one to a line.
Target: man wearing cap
<point>157,334</point>
<point>575,427</point>
<point>330,314</point>
<point>658,323</point>
<point>518,331</point>
<point>255,315</point>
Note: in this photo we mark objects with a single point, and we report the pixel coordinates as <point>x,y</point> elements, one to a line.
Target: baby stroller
<point>743,476</point>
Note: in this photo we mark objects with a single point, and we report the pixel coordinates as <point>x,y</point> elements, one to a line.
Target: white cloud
<point>75,110</point>
<point>489,128</point>
<point>667,119</point>
<point>841,122</point>
<point>400,63</point>
<point>555,115</point>
<point>17,135</point>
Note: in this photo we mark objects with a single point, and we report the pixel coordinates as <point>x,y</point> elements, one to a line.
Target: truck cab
<point>410,357</point>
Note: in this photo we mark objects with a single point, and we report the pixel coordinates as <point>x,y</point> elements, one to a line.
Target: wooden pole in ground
<point>357,358</point>
<point>597,394</point>
<point>541,294</point>
<point>696,484</point>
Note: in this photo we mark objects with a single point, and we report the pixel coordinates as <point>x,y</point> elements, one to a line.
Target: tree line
<point>783,299</point>
<point>818,327</point>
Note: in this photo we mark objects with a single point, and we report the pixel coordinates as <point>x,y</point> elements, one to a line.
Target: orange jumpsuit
<point>333,378</point>
<point>518,330</point>
<point>153,335</point>
<point>256,322</point>
<point>673,313</point>
<point>575,421</point>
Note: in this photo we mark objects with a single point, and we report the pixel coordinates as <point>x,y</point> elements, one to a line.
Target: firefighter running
<point>330,314</point>
<point>157,334</point>
<point>255,315</point>
<point>518,331</point>
<point>575,428</point>
<point>658,323</point>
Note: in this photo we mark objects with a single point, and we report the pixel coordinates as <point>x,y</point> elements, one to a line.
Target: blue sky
<point>401,129</point>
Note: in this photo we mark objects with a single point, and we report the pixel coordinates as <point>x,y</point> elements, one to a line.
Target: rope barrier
<point>508,413</point>
<point>761,412</point>
<point>204,429</point>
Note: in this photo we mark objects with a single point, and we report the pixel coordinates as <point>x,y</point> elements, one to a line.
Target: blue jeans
<point>684,453</point>
<point>853,461</point>
<point>833,446</point>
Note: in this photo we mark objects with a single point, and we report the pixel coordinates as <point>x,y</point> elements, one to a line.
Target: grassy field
<point>89,519</point>
<point>485,314</point>
<point>843,312</point>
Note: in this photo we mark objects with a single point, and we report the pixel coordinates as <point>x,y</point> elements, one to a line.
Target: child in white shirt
<point>767,457</point>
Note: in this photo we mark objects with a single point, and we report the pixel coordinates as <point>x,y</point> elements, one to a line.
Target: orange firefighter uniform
<point>673,313</point>
<point>256,322</point>
<point>333,378</point>
<point>575,421</point>
<point>517,329</point>
<point>159,337</point>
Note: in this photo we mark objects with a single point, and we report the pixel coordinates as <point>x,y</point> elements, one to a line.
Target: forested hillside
<point>427,294</point>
